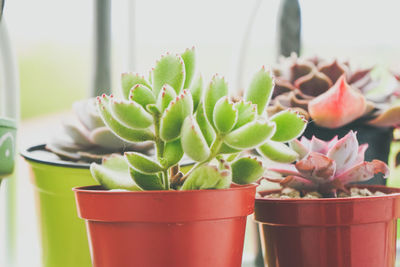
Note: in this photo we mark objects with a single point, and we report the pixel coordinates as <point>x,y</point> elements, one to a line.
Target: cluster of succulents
<point>333,94</point>
<point>181,117</point>
<point>327,167</point>
<point>87,139</point>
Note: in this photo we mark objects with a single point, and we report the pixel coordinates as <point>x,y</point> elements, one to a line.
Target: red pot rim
<point>329,211</point>
<point>95,204</point>
<point>382,188</point>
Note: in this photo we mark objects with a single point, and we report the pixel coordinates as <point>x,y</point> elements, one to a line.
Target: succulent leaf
<point>246,170</point>
<point>208,177</point>
<point>130,114</point>
<point>277,152</point>
<point>299,148</point>
<point>260,90</point>
<point>166,95</point>
<point>173,153</point>
<point>296,182</point>
<point>225,115</point>
<point>146,181</point>
<point>314,83</point>
<point>363,172</point>
<point>125,133</point>
<point>189,58</point>
<point>142,95</point>
<point>204,125</point>
<point>289,125</point>
<point>217,89</point>
<point>317,167</point>
<point>389,118</point>
<point>170,69</point>
<point>113,174</point>
<point>339,106</point>
<point>173,117</point>
<point>193,143</point>
<point>333,70</point>
<point>106,138</point>
<point>250,135</point>
<point>344,152</point>
<point>142,163</point>
<point>225,149</point>
<point>129,80</point>
<point>247,112</point>
<point>197,91</point>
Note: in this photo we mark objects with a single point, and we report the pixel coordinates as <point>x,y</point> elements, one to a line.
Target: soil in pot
<point>330,232</point>
<point>166,228</point>
<point>63,234</point>
<point>378,139</point>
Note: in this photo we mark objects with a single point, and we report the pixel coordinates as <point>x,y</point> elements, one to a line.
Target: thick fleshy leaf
<point>193,143</point>
<point>125,133</point>
<point>300,69</point>
<point>103,136</point>
<point>339,106</point>
<point>208,177</point>
<point>170,69</point>
<point>250,135</point>
<point>246,170</point>
<point>113,174</point>
<point>217,89</point>
<point>314,83</point>
<point>284,169</point>
<point>197,91</point>
<point>317,167</point>
<point>277,151</point>
<point>282,86</point>
<point>142,163</point>
<point>363,172</point>
<point>205,126</point>
<point>260,90</point>
<point>295,182</point>
<point>344,152</point>
<point>361,154</point>
<point>225,115</point>
<point>142,95</point>
<point>130,114</point>
<point>173,117</point>
<point>166,95</point>
<point>77,133</point>
<point>318,145</point>
<point>289,125</point>
<point>225,149</point>
<point>333,70</point>
<point>247,112</point>
<point>189,58</point>
<point>86,111</point>
<point>389,118</point>
<point>299,148</point>
<point>146,181</point>
<point>129,80</point>
<point>173,153</point>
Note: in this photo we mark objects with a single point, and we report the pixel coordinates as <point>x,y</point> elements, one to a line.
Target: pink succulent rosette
<point>333,94</point>
<point>328,166</point>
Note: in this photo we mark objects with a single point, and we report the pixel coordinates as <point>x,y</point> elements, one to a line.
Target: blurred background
<point>53,41</point>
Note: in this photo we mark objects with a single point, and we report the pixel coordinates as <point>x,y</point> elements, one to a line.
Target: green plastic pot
<point>394,178</point>
<point>63,234</point>
<point>7,146</point>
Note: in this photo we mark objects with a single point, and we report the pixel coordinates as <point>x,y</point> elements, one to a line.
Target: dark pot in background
<point>342,232</point>
<point>378,139</point>
<point>166,228</point>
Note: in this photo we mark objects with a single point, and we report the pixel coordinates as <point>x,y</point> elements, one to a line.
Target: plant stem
<point>215,147</point>
<point>160,149</point>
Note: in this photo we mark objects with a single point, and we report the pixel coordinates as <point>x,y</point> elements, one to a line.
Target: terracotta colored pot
<point>342,232</point>
<point>166,228</point>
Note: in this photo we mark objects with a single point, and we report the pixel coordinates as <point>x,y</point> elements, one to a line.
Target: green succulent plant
<point>182,117</point>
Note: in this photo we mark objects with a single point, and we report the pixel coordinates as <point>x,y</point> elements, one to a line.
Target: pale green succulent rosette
<point>173,110</point>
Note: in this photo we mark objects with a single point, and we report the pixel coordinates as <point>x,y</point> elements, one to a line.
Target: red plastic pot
<point>342,232</point>
<point>166,228</point>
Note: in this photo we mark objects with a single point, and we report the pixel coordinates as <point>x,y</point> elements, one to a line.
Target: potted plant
<point>337,98</point>
<point>62,164</point>
<point>147,212</point>
<point>7,146</point>
<point>320,218</point>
